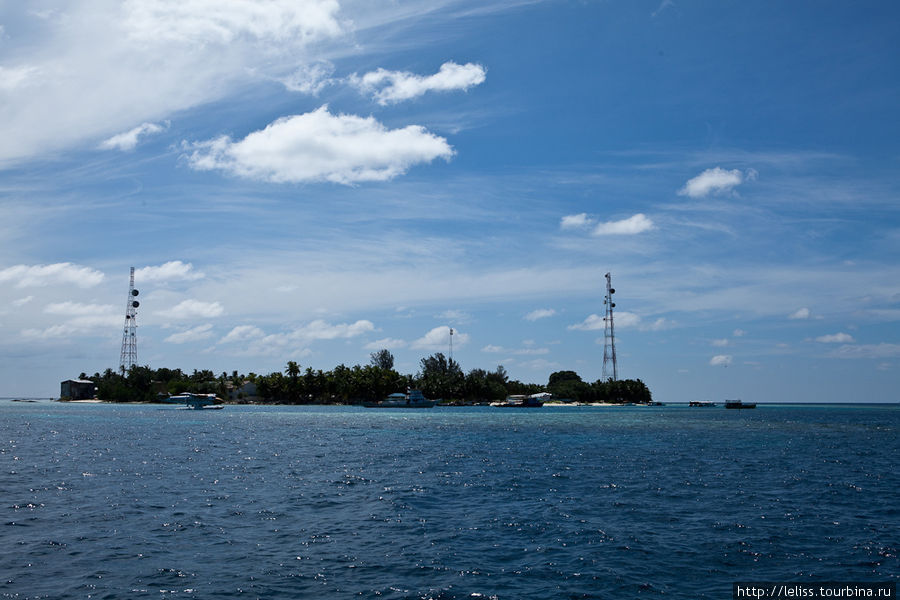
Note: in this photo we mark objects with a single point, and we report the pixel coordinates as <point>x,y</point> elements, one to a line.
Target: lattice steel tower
<point>609,334</point>
<point>128,358</point>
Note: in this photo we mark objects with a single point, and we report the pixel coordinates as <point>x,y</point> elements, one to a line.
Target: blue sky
<point>314,180</point>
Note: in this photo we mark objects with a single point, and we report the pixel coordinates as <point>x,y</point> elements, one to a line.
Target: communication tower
<point>128,358</point>
<point>451,344</point>
<point>609,334</point>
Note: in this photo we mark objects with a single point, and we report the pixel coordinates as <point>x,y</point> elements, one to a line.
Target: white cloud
<point>309,79</point>
<point>836,338</point>
<point>716,180</point>
<point>738,333</point>
<point>194,334</point>
<point>190,309</point>
<point>394,86</point>
<point>97,67</point>
<point>575,221</point>
<point>591,323</point>
<point>319,146</point>
<point>386,343</point>
<point>720,343</point>
<point>439,339</point>
<point>129,140</point>
<point>14,77</point>
<point>23,301</point>
<point>458,316</point>
<point>721,360</point>
<point>322,330</point>
<point>493,349</point>
<point>638,223</point>
<point>541,313</point>
<point>882,350</point>
<point>41,275</point>
<point>242,333</point>
<point>78,309</point>
<point>800,313</point>
<point>172,270</point>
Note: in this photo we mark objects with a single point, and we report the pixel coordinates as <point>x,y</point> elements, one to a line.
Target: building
<point>77,389</point>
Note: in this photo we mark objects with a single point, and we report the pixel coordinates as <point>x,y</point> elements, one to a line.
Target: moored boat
<point>739,404</point>
<point>196,401</point>
<point>411,399</point>
<point>701,403</point>
<point>533,401</point>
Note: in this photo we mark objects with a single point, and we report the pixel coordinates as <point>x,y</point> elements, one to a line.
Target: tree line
<point>438,377</point>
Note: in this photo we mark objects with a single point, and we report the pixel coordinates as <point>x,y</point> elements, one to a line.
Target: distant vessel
<point>533,401</point>
<point>739,404</point>
<point>702,403</point>
<point>196,401</point>
<point>411,399</point>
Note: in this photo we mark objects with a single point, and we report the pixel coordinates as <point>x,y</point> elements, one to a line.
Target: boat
<point>739,404</point>
<point>196,401</point>
<point>701,403</point>
<point>410,399</point>
<point>533,401</point>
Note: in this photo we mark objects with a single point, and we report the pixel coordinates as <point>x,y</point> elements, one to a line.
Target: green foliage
<point>439,378</point>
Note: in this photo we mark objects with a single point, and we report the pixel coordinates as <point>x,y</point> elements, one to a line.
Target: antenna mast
<point>609,334</point>
<point>128,357</point>
<point>451,344</point>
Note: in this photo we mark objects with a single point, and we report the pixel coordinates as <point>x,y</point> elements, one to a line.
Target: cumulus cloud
<point>192,309</point>
<point>800,313</point>
<point>439,339</point>
<point>97,67</point>
<point>322,330</point>
<point>836,338</point>
<point>591,323</point>
<point>721,360</point>
<point>320,146</point>
<point>386,344</point>
<point>129,140</point>
<point>578,221</point>
<point>638,223</point>
<point>172,270</point>
<point>715,181</point>
<point>388,87</point>
<point>309,79</point>
<point>41,275</point>
<point>194,334</point>
<point>242,333</point>
<point>540,313</point>
<point>493,349</point>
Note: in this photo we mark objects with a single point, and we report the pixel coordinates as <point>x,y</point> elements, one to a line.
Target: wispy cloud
<point>836,338</point>
<point>799,314</point>
<point>320,146</point>
<point>172,270</point>
<point>388,87</point>
<point>242,333</point>
<point>129,140</point>
<point>883,350</point>
<point>540,313</point>
<point>578,221</point>
<point>386,344</point>
<point>716,181</point>
<point>635,224</point>
<point>192,309</point>
<point>194,334</point>
<point>41,275</point>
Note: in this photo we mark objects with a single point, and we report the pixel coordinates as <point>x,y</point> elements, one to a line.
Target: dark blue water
<point>106,501</point>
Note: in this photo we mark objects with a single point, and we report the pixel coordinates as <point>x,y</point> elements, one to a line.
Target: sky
<point>315,180</point>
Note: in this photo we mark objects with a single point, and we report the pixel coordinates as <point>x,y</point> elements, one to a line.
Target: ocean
<point>145,501</point>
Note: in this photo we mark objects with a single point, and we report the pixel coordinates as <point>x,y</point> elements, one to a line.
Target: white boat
<point>196,401</point>
<point>411,399</point>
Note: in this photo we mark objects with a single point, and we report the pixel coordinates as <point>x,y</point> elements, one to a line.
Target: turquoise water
<point>112,501</point>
